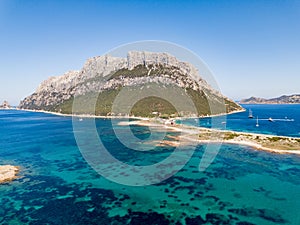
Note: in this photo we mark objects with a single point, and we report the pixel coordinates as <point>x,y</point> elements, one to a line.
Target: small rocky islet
<point>5,105</point>
<point>8,173</point>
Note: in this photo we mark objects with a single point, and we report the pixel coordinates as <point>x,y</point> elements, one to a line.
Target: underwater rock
<point>8,173</point>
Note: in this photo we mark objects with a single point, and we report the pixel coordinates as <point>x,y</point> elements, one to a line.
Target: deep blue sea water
<point>57,186</point>
<point>286,120</point>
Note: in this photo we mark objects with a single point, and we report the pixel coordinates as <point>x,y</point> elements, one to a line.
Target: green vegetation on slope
<point>86,103</point>
<point>147,106</point>
<point>144,107</point>
<point>205,102</point>
<point>104,102</point>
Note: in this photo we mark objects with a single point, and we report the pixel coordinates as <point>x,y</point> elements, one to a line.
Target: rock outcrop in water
<point>8,173</point>
<point>107,75</point>
<point>5,105</point>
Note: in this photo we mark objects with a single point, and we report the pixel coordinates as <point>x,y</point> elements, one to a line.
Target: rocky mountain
<point>103,77</point>
<point>284,99</point>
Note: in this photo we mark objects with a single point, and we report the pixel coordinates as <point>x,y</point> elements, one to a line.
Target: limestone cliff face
<point>106,72</point>
<point>102,65</point>
<point>149,58</point>
<point>52,91</point>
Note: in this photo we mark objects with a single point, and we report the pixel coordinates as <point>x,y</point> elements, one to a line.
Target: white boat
<point>270,119</point>
<point>257,122</point>
<point>250,114</point>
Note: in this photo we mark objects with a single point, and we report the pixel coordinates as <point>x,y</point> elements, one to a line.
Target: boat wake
<point>284,120</point>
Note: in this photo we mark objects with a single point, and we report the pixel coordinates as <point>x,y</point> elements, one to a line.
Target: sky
<point>252,47</point>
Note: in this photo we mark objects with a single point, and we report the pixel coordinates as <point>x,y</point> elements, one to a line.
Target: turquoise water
<point>57,186</point>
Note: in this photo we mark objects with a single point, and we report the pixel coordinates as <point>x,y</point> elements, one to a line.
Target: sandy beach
<point>271,143</point>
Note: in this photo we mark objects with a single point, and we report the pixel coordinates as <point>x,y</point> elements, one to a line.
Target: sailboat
<point>257,122</point>
<point>250,114</point>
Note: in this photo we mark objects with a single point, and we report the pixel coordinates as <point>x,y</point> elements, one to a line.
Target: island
<point>284,99</point>
<point>5,105</point>
<point>8,173</point>
<point>101,80</point>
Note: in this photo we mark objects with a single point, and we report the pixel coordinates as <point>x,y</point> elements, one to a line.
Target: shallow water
<point>57,186</point>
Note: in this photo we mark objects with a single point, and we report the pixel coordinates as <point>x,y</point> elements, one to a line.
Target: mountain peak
<point>106,75</point>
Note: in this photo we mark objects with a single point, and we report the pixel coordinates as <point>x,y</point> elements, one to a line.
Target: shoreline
<point>8,173</point>
<point>129,117</point>
<point>238,138</point>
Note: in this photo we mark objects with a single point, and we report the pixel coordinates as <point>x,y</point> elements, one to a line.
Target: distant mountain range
<point>103,77</point>
<point>284,99</point>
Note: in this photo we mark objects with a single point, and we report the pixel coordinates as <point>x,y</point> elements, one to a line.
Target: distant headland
<point>284,99</point>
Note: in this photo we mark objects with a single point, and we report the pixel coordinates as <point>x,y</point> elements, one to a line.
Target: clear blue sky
<point>252,47</point>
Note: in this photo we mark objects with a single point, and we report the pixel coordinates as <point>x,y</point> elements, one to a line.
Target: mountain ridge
<point>106,75</point>
<point>283,99</point>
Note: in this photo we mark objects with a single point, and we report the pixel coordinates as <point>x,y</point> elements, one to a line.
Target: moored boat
<point>250,114</point>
